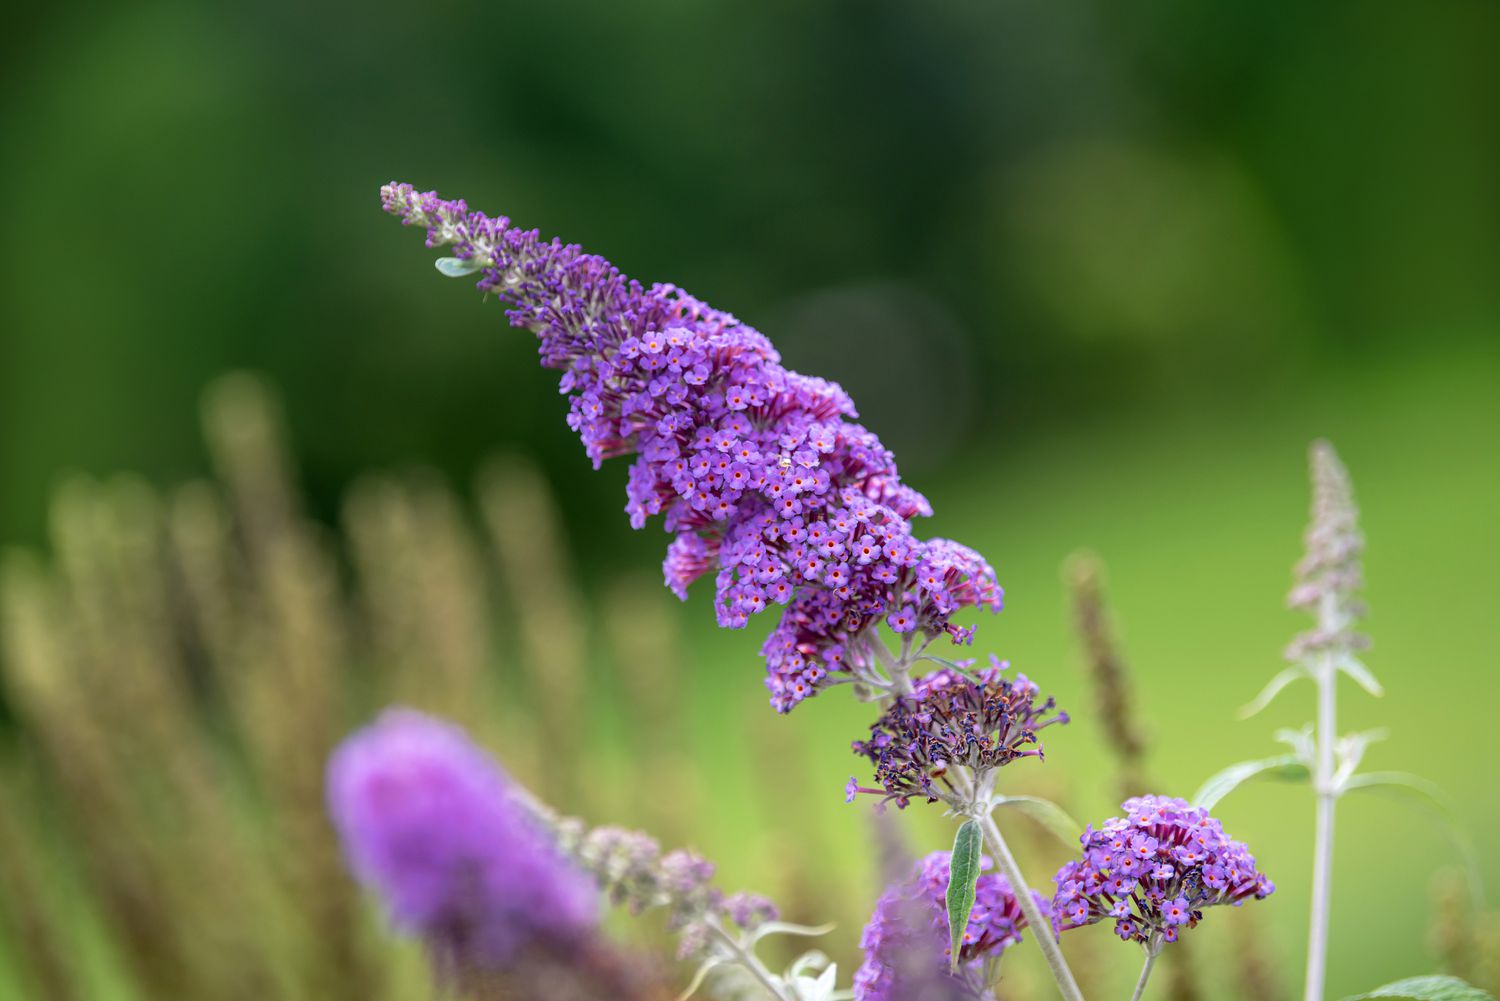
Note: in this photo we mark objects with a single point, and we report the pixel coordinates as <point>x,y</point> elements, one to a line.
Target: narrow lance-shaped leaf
<point>1272,689</point>
<point>787,928</point>
<point>1047,813</point>
<point>1356,670</point>
<point>1287,767</point>
<point>1434,988</point>
<point>707,967</point>
<point>963,877</point>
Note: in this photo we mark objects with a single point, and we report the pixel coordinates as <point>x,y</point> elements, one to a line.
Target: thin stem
<point>1322,889</point>
<point>750,961</point>
<point>1140,985</point>
<point>1040,926</point>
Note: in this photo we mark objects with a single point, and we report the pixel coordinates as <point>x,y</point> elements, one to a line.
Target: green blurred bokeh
<point>1096,272</point>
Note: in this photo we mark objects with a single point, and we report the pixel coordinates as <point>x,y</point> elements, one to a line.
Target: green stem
<point>1322,889</point>
<point>1041,927</point>
<point>1152,951</point>
<point>751,962</point>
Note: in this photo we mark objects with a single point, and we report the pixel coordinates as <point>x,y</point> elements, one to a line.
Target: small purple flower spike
<point>952,719</point>
<point>762,474</point>
<point>906,941</point>
<point>430,822</point>
<point>1155,871</point>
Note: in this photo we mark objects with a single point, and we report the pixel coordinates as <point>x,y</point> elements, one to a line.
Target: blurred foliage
<point>185,665</point>
<point>1097,274</point>
<point>1085,207</point>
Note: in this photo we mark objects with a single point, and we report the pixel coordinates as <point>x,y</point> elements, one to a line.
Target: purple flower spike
<point>906,941</point>
<point>952,719</point>
<point>761,473</point>
<point>430,822</point>
<point>1155,871</point>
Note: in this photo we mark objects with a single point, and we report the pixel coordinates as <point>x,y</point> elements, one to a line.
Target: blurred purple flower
<point>906,941</point>
<point>1331,572</point>
<point>761,473</point>
<point>634,872</point>
<point>1155,871</point>
<point>952,719</point>
<point>431,823</point>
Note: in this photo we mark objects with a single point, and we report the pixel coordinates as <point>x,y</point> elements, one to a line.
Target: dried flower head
<point>981,722</point>
<point>1330,574</point>
<point>432,824</point>
<point>761,473</point>
<point>906,941</point>
<point>1155,871</point>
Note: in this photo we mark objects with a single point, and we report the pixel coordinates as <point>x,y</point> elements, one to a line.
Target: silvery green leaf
<point>810,961</point>
<point>704,970</point>
<point>1300,741</point>
<point>1287,767</point>
<point>1431,797</point>
<point>1434,988</point>
<point>821,989</point>
<point>1272,689</point>
<point>1047,813</point>
<point>963,876</point>
<point>1350,751</point>
<point>787,928</point>
<point>806,987</point>
<point>1356,670</point>
<point>457,267</point>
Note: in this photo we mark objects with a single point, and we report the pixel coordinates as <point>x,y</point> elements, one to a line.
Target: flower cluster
<point>1330,573</point>
<point>761,473</point>
<point>635,873</point>
<point>979,722</point>
<point>906,942</point>
<point>433,824</point>
<point>1155,871</point>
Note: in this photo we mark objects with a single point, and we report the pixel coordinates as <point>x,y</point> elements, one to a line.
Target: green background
<point>1096,272</point>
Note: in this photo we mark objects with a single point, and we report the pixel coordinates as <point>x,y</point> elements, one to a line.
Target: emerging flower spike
<point>431,823</point>
<point>950,719</point>
<point>761,473</point>
<point>1330,575</point>
<point>906,941</point>
<point>1155,872</point>
<point>635,873</point>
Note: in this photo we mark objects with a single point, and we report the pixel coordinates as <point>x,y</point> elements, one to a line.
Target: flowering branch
<point>761,473</point>
<point>1328,578</point>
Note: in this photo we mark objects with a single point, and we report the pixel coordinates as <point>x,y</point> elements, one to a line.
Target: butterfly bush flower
<point>433,825</point>
<point>1155,871</point>
<point>762,474</point>
<point>906,942</point>
<point>981,722</point>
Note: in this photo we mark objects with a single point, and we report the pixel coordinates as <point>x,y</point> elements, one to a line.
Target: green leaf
<point>1433,988</point>
<point>457,267</point>
<point>1361,674</point>
<point>709,965</point>
<point>786,928</point>
<point>1300,741</point>
<point>1435,802</point>
<point>963,876</point>
<point>1047,813</point>
<point>1272,689</point>
<point>1286,767</point>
